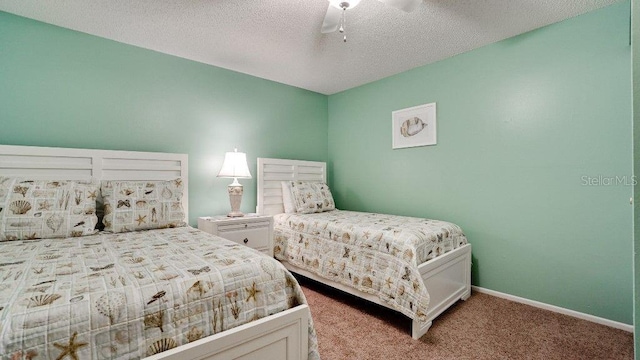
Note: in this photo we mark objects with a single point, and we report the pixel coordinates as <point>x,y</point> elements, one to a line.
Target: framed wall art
<point>414,126</point>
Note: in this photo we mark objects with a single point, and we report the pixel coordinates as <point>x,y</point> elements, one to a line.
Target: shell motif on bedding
<point>166,193</point>
<point>111,305</point>
<point>161,345</point>
<point>54,222</point>
<point>194,334</point>
<point>20,207</point>
<point>42,300</point>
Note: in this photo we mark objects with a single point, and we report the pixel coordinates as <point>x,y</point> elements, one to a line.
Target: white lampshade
<point>235,166</point>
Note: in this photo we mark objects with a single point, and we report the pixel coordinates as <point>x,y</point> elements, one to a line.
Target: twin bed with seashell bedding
<point>147,286</point>
<point>418,267</point>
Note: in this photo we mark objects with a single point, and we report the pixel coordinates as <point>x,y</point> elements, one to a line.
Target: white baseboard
<point>579,315</point>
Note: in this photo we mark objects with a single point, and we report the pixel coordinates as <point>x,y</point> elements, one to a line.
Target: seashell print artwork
<point>20,207</point>
<point>412,126</point>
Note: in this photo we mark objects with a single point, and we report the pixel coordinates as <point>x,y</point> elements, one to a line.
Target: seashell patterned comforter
<point>375,253</point>
<point>131,295</point>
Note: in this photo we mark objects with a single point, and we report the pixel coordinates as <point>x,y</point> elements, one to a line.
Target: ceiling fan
<point>335,18</point>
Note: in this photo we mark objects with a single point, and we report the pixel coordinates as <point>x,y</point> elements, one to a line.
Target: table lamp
<point>235,166</point>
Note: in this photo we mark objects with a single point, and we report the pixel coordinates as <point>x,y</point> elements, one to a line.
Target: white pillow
<point>287,199</point>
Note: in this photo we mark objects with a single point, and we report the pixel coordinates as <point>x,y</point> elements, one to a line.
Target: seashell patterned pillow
<point>142,205</point>
<point>41,209</point>
<point>311,197</point>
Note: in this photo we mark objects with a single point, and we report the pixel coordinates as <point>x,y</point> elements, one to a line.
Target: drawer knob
<point>245,225</point>
<point>245,240</point>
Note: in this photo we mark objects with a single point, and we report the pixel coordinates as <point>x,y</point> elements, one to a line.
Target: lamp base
<point>235,198</point>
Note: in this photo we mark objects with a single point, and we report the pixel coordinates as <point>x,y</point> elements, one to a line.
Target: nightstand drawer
<point>243,226</point>
<point>256,237</point>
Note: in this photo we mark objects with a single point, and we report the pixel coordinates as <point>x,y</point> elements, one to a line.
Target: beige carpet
<point>483,327</point>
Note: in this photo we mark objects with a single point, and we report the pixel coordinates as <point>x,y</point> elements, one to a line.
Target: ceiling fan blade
<point>331,20</point>
<point>404,5</point>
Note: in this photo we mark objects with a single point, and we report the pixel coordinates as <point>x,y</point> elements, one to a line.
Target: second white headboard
<point>272,171</point>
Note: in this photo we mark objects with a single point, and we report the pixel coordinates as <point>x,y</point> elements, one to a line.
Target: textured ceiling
<point>280,40</point>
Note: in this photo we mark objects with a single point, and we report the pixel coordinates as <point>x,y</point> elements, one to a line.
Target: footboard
<point>279,336</point>
<point>448,279</point>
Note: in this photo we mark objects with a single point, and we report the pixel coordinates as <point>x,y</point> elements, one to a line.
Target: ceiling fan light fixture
<point>334,20</point>
<point>338,3</point>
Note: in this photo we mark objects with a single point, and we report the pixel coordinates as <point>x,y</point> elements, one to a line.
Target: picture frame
<point>414,126</point>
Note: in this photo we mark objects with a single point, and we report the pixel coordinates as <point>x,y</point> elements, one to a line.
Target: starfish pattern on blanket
<point>71,348</point>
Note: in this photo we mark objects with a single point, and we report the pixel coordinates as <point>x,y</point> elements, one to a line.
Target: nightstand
<point>255,231</point>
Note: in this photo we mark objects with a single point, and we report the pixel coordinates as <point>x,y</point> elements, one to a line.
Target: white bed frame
<point>447,277</point>
<point>280,336</point>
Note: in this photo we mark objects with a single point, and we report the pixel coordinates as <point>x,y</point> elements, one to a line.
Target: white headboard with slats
<point>272,171</point>
<point>84,164</point>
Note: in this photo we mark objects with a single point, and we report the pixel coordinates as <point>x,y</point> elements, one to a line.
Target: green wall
<point>520,122</point>
<point>68,89</point>
<point>635,56</point>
